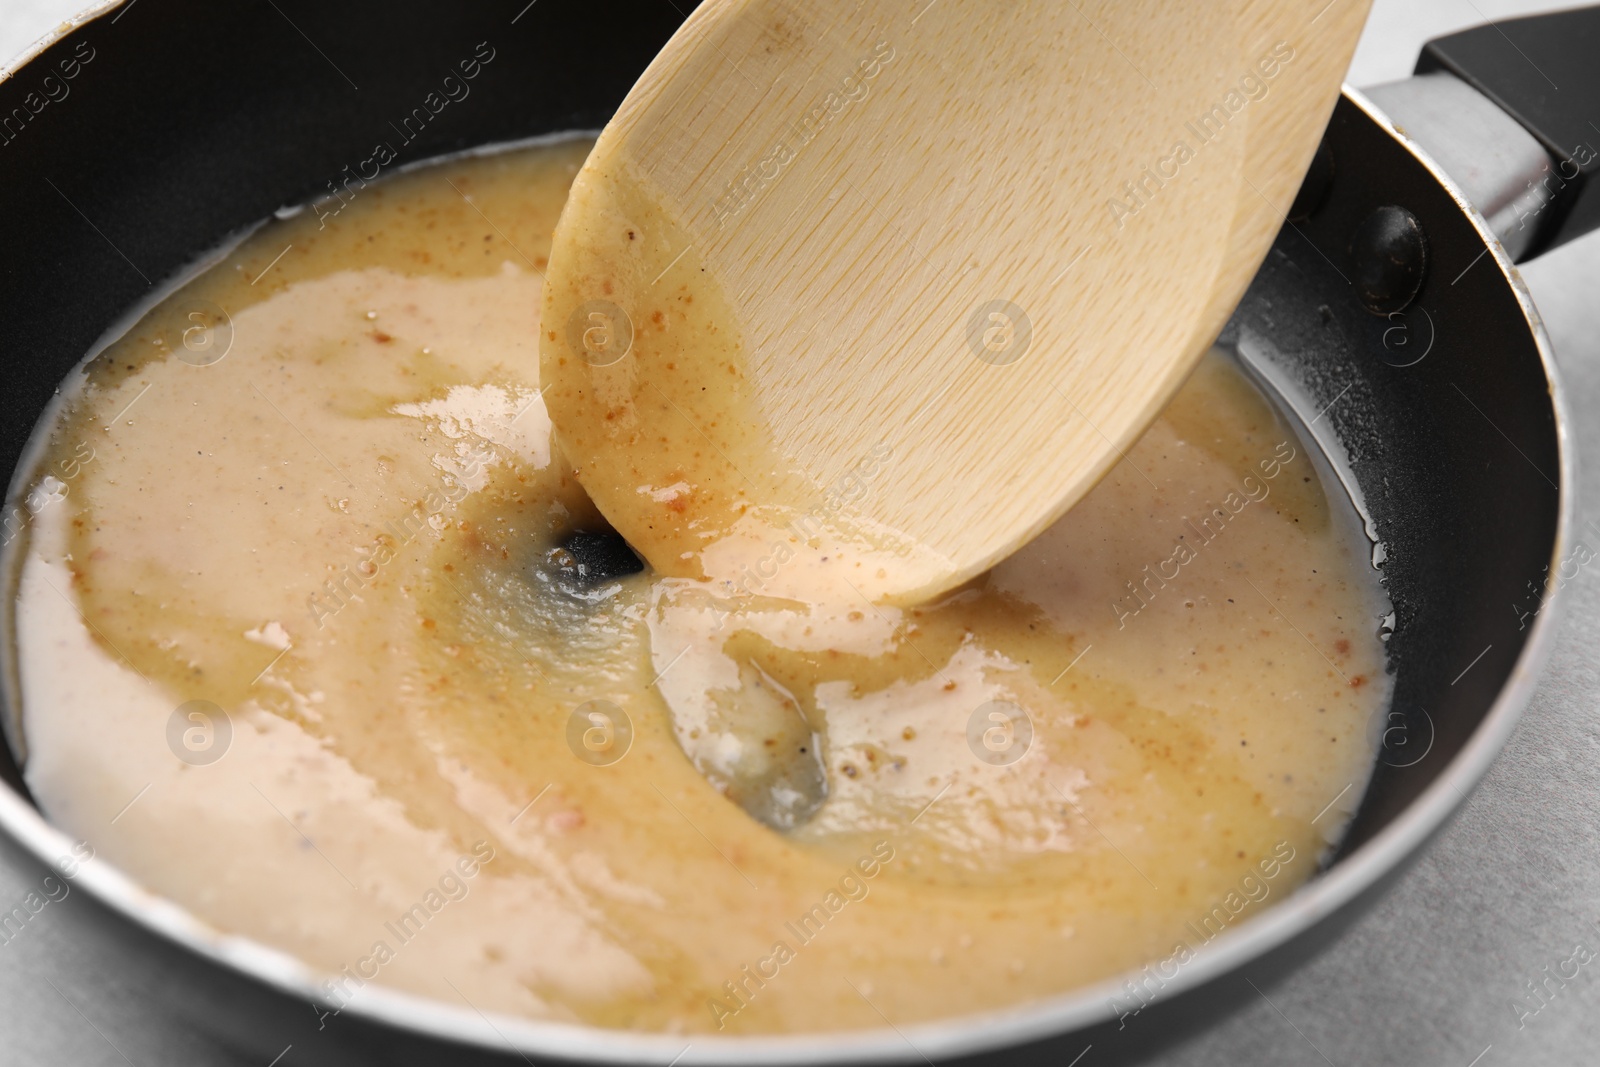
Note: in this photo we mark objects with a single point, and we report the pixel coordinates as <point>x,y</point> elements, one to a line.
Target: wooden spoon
<point>854,297</point>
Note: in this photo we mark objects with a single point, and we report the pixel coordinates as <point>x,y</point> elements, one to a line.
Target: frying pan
<point>1388,319</point>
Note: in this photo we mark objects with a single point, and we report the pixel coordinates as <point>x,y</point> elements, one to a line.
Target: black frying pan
<point>1386,317</point>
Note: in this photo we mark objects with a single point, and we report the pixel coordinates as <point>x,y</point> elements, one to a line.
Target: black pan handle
<point>1543,71</point>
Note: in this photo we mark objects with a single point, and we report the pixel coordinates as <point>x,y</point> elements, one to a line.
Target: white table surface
<point>1428,977</point>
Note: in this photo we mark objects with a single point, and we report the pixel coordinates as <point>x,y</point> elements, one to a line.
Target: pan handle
<point>1541,71</point>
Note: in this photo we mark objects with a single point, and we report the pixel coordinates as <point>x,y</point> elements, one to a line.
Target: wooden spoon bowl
<point>856,298</point>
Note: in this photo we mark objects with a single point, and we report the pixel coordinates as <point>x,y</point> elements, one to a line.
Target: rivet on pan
<point>1314,190</point>
<point>1390,255</point>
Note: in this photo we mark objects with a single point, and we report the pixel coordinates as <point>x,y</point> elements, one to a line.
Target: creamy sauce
<point>450,766</point>
<point>647,381</point>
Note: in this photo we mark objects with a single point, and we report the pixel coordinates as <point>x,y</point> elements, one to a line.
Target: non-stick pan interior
<point>1443,412</point>
<point>191,121</point>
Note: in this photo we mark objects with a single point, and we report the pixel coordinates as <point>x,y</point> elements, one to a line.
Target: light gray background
<point>1428,977</point>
